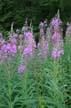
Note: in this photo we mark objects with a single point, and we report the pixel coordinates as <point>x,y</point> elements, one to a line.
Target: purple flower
<point>21,68</point>
<point>56,22</point>
<point>13,49</point>
<point>61,52</point>
<point>4,48</point>
<point>13,41</point>
<point>27,51</point>
<point>57,53</point>
<point>28,34</point>
<point>8,49</point>
<point>8,46</point>
<point>56,37</point>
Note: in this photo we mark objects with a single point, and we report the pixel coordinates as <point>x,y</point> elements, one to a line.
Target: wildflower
<point>57,53</point>
<point>61,52</point>
<point>28,34</point>
<point>27,51</point>
<point>56,22</point>
<point>13,49</point>
<point>4,48</point>
<point>21,68</point>
<point>8,46</point>
<point>56,37</point>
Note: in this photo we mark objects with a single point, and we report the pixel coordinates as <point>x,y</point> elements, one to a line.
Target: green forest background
<point>36,10</point>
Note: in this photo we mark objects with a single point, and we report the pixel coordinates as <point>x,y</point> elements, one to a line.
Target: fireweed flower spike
<point>55,25</point>
<point>29,43</point>
<point>57,41</point>
<point>56,22</point>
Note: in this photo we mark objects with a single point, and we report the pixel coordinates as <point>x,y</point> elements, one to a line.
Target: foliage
<point>17,10</point>
<point>44,84</point>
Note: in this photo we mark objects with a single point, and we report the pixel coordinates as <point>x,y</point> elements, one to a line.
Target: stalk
<point>39,86</point>
<point>58,96</point>
<point>9,83</point>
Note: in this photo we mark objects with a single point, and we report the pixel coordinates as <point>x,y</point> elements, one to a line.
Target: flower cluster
<point>56,22</point>
<point>27,51</point>
<point>57,53</point>
<point>25,42</point>
<point>57,41</point>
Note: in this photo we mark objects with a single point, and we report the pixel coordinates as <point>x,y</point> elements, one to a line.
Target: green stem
<point>58,96</point>
<point>9,76</point>
<point>39,86</point>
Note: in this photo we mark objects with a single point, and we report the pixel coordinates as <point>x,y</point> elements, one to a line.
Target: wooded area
<point>36,10</point>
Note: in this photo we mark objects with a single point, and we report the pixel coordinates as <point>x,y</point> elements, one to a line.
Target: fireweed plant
<point>36,76</point>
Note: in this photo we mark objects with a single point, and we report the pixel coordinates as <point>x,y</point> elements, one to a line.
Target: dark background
<point>36,10</point>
